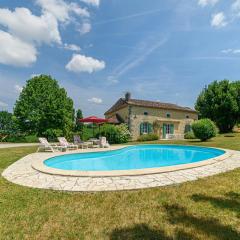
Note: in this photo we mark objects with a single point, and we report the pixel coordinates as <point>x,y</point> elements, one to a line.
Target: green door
<point>164,130</point>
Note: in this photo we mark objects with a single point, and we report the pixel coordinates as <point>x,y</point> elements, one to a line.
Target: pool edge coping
<point>39,165</point>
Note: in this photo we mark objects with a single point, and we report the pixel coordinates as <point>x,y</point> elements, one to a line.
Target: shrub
<point>115,133</point>
<point>189,135</point>
<point>204,129</point>
<point>123,133</point>
<point>148,137</point>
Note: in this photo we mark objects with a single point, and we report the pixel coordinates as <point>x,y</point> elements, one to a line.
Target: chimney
<point>127,96</point>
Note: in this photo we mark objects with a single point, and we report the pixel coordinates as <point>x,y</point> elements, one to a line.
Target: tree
<point>237,88</point>
<point>218,101</point>
<point>43,108</point>
<point>6,124</point>
<point>79,125</point>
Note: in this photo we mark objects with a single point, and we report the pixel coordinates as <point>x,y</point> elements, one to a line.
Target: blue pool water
<point>133,157</point>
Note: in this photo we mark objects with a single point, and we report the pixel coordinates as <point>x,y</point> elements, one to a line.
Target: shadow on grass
<point>231,201</point>
<point>144,232</point>
<point>139,231</point>
<point>208,226</point>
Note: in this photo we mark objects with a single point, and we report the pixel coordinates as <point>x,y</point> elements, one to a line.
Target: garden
<point>204,209</point>
<point>207,208</point>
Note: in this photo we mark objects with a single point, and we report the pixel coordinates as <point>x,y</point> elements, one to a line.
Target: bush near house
<point>189,135</point>
<point>204,129</point>
<point>115,133</point>
<point>148,137</point>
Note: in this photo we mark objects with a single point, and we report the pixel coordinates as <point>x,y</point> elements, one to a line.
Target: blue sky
<point>165,50</point>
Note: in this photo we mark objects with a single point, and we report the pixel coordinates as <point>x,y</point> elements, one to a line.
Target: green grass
<point>205,209</point>
<point>231,141</point>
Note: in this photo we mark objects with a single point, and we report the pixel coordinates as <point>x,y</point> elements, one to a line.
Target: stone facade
<point>134,116</point>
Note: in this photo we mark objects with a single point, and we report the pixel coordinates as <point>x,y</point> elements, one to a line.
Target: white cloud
<point>85,28</point>
<point>236,51</point>
<point>82,12</point>
<point>28,27</point>
<point>229,50</point>
<point>81,63</point>
<point>95,100</point>
<point>204,3</point>
<point>72,47</point>
<point>18,88</point>
<point>14,51</point>
<point>26,31</point>
<point>232,51</point>
<point>112,80</point>
<point>92,2</point>
<point>3,104</point>
<point>62,10</point>
<point>236,5</point>
<point>218,20</point>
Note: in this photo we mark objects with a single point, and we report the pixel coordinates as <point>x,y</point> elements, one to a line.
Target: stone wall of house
<point>179,118</point>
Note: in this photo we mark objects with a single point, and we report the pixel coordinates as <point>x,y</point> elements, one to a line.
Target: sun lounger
<point>64,143</point>
<point>46,146</point>
<point>95,142</point>
<point>103,142</point>
<point>77,141</point>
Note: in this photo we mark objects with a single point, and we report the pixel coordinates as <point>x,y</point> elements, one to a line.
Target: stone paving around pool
<point>22,173</point>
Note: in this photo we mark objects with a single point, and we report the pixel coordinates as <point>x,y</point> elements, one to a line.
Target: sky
<point>160,50</point>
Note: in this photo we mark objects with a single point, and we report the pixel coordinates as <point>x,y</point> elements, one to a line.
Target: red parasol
<point>93,119</point>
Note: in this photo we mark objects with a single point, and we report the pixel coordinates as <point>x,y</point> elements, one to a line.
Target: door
<point>168,129</point>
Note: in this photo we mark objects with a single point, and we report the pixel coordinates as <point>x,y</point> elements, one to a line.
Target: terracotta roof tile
<point>144,103</point>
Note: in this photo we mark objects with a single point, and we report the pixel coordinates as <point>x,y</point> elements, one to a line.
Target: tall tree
<point>44,108</point>
<point>218,101</point>
<point>6,121</point>
<point>79,125</point>
<point>237,87</point>
<point>6,124</point>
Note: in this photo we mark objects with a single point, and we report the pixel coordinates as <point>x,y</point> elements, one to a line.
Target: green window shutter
<point>187,128</point>
<point>164,130</point>
<point>172,129</point>
<point>150,128</point>
<point>141,128</point>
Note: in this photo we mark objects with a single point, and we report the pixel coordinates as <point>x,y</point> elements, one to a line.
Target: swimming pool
<point>133,158</point>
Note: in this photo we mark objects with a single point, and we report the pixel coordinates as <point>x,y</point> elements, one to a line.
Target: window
<point>187,116</point>
<point>168,129</point>
<point>188,128</point>
<point>145,128</point>
<point>145,113</point>
<point>168,115</point>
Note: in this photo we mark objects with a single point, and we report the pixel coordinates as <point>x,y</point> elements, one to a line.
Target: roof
<point>144,103</point>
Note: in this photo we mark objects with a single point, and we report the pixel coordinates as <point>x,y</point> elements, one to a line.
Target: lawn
<point>205,209</point>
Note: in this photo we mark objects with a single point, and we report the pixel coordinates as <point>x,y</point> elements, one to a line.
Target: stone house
<point>165,119</point>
